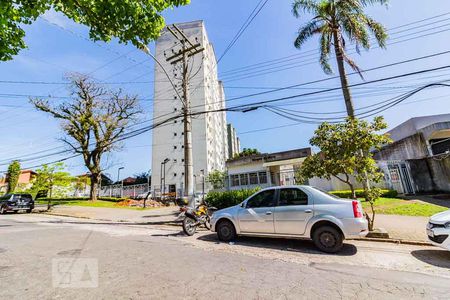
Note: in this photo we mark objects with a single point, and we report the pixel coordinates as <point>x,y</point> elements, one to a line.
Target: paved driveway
<point>145,262</point>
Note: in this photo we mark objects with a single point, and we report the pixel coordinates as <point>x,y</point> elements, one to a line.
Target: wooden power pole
<point>187,50</point>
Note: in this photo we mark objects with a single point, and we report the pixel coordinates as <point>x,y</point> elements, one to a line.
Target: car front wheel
<point>328,239</point>
<point>2,210</point>
<point>226,231</point>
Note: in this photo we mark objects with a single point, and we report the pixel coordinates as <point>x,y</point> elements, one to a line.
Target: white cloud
<point>58,18</point>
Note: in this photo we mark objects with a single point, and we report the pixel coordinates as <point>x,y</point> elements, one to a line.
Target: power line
<point>315,52</point>
<point>244,27</point>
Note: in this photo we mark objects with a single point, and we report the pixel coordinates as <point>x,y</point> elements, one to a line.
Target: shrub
<point>360,193</point>
<point>228,198</point>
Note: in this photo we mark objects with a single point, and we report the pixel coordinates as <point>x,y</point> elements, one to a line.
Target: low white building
<point>265,170</point>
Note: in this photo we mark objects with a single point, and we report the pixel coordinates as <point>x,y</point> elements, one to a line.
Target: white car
<point>293,212</point>
<point>438,230</point>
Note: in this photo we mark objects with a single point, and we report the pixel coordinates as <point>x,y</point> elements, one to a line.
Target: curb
<point>395,241</point>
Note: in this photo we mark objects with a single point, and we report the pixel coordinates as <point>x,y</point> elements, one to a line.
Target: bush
<point>228,198</point>
<point>360,194</point>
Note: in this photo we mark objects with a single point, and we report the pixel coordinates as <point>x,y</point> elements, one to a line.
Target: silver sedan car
<point>293,212</point>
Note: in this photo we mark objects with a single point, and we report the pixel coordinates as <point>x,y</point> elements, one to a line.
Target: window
<point>262,199</point>
<point>253,178</point>
<point>174,174</point>
<point>292,197</point>
<point>174,134</point>
<point>244,179</point>
<point>234,180</point>
<point>175,147</point>
<point>262,177</point>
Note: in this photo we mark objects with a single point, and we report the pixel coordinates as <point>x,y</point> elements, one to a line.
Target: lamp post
<point>203,185</point>
<point>118,178</point>
<point>163,183</point>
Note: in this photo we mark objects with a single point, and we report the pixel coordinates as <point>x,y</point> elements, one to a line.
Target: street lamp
<point>118,173</point>
<point>203,185</point>
<point>118,178</point>
<point>163,172</point>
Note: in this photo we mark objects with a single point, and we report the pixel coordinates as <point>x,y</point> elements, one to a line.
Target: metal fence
<point>129,191</point>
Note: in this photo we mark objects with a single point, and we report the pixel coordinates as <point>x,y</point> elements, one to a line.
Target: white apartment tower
<point>209,131</point>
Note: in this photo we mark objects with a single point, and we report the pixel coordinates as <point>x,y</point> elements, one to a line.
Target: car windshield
<point>325,192</point>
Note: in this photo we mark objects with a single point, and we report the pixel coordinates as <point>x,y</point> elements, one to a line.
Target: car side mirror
<point>243,204</point>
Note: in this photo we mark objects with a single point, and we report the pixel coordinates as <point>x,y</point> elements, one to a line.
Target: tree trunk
<point>343,75</point>
<point>95,179</point>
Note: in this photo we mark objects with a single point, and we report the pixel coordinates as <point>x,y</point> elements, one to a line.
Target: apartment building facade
<point>209,132</point>
<point>234,144</point>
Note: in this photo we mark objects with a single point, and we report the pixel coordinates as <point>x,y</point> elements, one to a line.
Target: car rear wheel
<point>29,211</point>
<point>2,210</point>
<point>328,239</point>
<point>226,231</point>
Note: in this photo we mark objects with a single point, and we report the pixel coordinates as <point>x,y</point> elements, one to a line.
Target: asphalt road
<point>49,257</point>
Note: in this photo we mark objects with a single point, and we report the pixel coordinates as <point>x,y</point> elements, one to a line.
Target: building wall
<point>206,93</point>
<point>409,148</point>
<point>431,174</point>
<point>233,141</point>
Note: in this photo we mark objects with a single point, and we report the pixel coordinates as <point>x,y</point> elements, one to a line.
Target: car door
<point>257,214</point>
<point>293,211</point>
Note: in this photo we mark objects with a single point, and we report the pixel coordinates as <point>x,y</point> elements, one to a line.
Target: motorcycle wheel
<point>207,223</point>
<point>189,226</point>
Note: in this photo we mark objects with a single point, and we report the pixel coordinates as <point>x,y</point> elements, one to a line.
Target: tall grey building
<point>234,145</point>
<point>209,134</point>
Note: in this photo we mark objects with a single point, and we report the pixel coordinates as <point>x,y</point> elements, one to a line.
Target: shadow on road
<point>292,245</point>
<point>171,223</point>
<point>437,258</point>
<point>163,215</point>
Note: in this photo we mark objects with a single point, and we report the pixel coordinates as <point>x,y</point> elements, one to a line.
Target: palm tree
<point>332,20</point>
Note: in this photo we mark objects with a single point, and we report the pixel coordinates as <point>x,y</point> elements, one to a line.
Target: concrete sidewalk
<point>399,227</point>
<point>156,216</point>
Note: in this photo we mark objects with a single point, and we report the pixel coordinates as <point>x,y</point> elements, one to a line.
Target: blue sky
<point>55,50</point>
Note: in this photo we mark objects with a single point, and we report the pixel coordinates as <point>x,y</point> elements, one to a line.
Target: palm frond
<point>378,30</point>
<point>372,2</point>
<point>309,6</point>
<point>325,47</point>
<point>311,28</point>
<point>352,64</point>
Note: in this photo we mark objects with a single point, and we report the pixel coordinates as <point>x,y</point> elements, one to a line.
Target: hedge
<point>360,193</point>
<point>228,198</point>
<point>70,199</point>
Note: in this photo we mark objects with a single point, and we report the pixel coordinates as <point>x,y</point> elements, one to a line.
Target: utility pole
<point>182,56</point>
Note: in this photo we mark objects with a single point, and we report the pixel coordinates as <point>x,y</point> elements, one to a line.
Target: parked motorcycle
<point>196,217</point>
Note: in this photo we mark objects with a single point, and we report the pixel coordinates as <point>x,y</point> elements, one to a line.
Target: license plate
<point>430,232</point>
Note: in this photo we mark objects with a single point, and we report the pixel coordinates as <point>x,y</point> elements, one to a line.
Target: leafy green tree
<point>13,176</point>
<point>135,21</point>
<point>142,177</point>
<point>217,179</point>
<point>51,176</point>
<point>345,151</point>
<point>94,120</point>
<point>248,152</point>
<point>334,21</point>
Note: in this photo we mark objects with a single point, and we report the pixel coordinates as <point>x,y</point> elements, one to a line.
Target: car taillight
<point>356,212</point>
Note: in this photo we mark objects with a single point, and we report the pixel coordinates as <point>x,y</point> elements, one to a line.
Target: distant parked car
<point>293,212</point>
<point>16,202</point>
<point>438,230</point>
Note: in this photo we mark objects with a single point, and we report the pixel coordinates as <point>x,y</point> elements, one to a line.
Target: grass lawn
<point>98,203</point>
<point>393,206</point>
